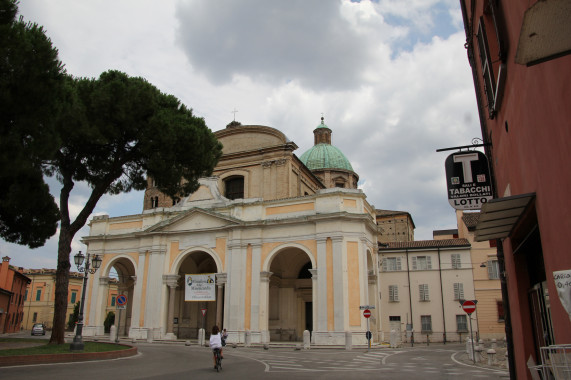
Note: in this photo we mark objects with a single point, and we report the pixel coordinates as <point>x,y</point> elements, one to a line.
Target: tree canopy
<point>117,130</point>
<point>31,81</point>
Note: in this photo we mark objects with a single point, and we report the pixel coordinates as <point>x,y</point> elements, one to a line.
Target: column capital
<point>265,276</point>
<point>171,280</point>
<point>103,280</point>
<point>221,278</point>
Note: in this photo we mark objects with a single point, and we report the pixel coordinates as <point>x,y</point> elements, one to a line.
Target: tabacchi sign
<point>468,180</point>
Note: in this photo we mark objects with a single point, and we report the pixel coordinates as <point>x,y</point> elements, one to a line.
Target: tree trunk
<point>62,284</point>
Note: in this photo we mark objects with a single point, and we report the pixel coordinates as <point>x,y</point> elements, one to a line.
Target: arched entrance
<point>290,295</point>
<point>188,318</point>
<point>119,279</point>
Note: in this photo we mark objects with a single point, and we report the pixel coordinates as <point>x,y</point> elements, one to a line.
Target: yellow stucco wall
<point>290,208</point>
<point>353,283</point>
<point>126,225</point>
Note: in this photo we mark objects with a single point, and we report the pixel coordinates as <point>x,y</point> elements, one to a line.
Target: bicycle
<point>218,365</point>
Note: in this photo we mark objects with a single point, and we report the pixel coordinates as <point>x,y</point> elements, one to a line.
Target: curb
<point>66,358</point>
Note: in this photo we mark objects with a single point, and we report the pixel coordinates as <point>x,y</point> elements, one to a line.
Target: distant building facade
<point>12,293</point>
<point>485,268</point>
<point>394,226</point>
<point>421,285</point>
<point>40,296</point>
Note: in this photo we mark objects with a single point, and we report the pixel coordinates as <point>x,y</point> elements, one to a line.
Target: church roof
<point>325,156</point>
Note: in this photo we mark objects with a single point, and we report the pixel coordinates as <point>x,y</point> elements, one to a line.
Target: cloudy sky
<point>391,78</point>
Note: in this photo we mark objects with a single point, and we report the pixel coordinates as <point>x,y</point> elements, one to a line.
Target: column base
<point>170,336</point>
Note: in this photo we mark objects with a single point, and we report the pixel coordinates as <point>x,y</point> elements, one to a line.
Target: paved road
<point>164,361</point>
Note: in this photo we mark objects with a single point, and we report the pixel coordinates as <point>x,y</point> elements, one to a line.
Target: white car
<point>38,329</point>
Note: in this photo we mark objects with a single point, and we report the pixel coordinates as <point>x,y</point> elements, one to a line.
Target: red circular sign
<point>367,313</point>
<point>469,307</point>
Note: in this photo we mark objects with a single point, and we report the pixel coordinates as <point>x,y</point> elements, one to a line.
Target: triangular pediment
<point>193,220</point>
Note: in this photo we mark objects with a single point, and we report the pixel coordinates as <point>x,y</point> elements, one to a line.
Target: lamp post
<point>77,344</point>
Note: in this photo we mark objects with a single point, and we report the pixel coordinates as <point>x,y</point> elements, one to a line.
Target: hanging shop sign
<point>200,287</point>
<point>468,180</point>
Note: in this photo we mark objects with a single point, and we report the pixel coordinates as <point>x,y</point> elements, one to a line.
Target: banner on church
<point>200,287</point>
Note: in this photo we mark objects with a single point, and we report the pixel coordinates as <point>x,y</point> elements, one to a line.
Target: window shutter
<point>398,264</point>
<point>385,264</point>
<point>490,269</point>
<point>413,263</point>
<point>421,291</point>
<point>428,262</point>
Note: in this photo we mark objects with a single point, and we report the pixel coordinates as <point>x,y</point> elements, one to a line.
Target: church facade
<point>292,243</point>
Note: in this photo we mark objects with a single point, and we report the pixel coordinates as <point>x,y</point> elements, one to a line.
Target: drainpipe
<point>442,295</point>
<point>468,27</point>
<point>409,299</point>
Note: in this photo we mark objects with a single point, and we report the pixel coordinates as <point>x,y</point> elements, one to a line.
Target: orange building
<point>12,290</point>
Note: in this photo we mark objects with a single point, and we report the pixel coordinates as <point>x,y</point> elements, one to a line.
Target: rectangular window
<point>461,323</point>
<point>113,301</point>
<point>391,264</point>
<point>39,295</point>
<point>426,323</point>
<point>421,263</point>
<point>393,293</point>
<point>456,262</point>
<point>26,296</point>
<point>423,291</point>
<point>73,297</point>
<point>35,318</point>
<point>458,291</point>
<point>501,315</point>
<point>493,270</point>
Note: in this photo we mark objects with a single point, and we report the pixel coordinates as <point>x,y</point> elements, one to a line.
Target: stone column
<point>172,282</point>
<point>220,283</point>
<point>338,284</point>
<point>265,305</point>
<point>313,302</point>
<point>320,301</point>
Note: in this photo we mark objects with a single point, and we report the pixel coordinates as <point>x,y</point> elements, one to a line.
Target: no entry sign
<point>469,307</point>
<point>367,313</point>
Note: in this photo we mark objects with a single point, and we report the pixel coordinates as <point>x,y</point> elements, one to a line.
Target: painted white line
<point>497,371</point>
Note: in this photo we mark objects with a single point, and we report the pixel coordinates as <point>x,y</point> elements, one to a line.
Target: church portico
<point>286,257</point>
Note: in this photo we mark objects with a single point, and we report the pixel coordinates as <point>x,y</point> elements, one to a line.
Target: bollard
<point>113,334</point>
<point>348,340</point>
<point>248,338</point>
<point>201,337</point>
<point>491,356</point>
<point>187,343</point>
<point>393,340</point>
<point>481,344</point>
<point>306,339</point>
<point>494,344</point>
<point>477,354</point>
<point>427,340</point>
<point>149,335</point>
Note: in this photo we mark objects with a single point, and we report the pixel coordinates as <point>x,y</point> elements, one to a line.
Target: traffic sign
<point>365,307</point>
<point>203,312</point>
<point>469,307</point>
<point>367,313</point>
<point>121,300</point>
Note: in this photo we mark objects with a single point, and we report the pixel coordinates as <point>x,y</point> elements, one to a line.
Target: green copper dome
<point>325,156</point>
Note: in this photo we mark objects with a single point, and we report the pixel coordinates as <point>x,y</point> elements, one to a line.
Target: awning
<point>499,216</point>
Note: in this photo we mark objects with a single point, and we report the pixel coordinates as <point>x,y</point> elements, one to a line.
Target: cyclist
<point>215,343</point>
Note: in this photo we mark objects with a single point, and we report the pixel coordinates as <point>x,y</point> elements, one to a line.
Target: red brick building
<point>519,55</point>
<point>13,286</point>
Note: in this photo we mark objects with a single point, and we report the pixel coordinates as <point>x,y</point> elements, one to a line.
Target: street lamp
<point>77,344</point>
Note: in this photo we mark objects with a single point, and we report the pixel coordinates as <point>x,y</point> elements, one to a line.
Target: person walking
<point>215,343</point>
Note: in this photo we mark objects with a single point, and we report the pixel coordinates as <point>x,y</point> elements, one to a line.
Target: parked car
<point>38,329</point>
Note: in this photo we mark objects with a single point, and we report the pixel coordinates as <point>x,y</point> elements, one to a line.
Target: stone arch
<point>186,316</point>
<point>110,287</point>
<point>290,291</point>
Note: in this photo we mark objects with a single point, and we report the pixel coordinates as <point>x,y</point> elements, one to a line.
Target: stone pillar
<point>338,285</point>
<point>264,306</point>
<point>491,356</point>
<point>247,338</point>
<point>348,340</point>
<point>313,301</point>
<point>306,339</point>
<point>172,282</point>
<point>320,301</point>
<point>220,284</point>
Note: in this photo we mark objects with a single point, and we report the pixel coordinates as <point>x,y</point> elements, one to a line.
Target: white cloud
<point>391,77</point>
